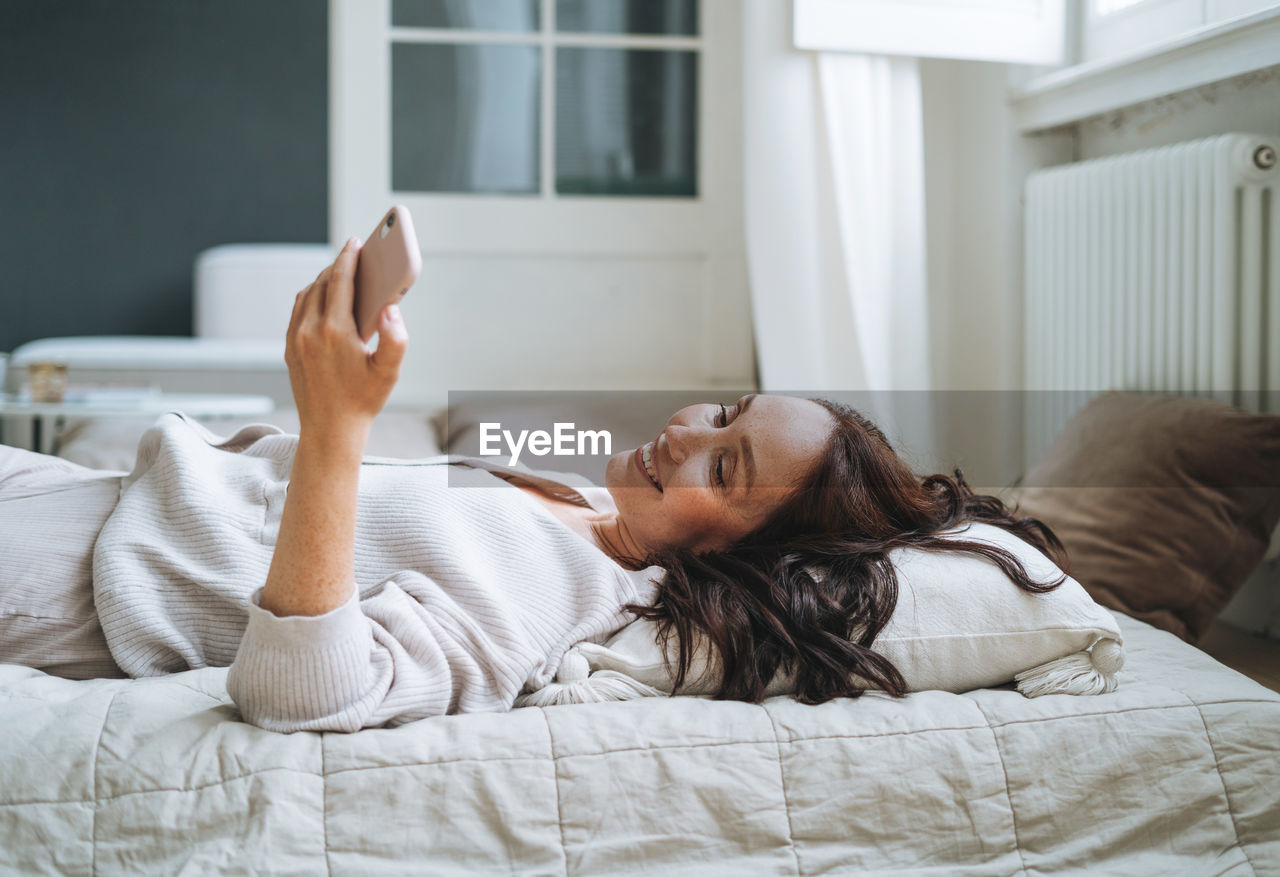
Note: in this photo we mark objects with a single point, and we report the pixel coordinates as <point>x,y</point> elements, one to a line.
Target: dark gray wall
<point>135,133</point>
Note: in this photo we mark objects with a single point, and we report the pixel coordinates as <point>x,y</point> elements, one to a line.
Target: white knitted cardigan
<point>469,591</point>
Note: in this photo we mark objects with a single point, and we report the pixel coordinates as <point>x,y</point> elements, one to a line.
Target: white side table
<point>47,419</point>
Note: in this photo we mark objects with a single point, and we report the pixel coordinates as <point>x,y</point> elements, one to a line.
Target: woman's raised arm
<point>339,387</point>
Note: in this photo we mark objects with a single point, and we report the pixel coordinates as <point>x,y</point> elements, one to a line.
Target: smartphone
<point>387,265</point>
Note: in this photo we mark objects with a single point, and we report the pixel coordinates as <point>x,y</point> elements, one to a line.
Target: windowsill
<point>1210,54</point>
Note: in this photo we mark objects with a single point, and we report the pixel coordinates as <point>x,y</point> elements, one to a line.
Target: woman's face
<point>716,473</point>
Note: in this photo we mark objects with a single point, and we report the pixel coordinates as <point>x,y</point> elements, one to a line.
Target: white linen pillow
<point>959,624</point>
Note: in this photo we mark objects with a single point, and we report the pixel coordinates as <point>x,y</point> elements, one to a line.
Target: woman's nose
<point>681,441</point>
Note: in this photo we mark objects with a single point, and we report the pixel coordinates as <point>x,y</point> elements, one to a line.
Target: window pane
<point>464,118</point>
<point>521,15</point>
<point>1106,7</point>
<point>669,17</point>
<point>626,122</point>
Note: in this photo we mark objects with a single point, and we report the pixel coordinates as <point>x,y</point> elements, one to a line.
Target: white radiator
<point>1154,270</point>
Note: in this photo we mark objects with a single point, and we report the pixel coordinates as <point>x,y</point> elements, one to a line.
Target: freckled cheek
<point>638,501</point>
<point>696,510</point>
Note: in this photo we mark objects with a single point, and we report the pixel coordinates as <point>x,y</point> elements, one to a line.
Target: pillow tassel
<point>575,683</point>
<point>1089,672</point>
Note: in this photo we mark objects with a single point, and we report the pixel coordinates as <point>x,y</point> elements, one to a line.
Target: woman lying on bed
<point>465,597</point>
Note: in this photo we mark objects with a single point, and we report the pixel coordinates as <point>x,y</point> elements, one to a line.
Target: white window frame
<point>360,38</point>
<point>1150,22</point>
<point>1135,27</point>
<point>1233,37</point>
<point>1019,31</point>
<point>628,257</point>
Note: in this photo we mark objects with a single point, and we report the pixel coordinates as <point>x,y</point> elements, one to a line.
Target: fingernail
<point>393,314</point>
<point>353,242</point>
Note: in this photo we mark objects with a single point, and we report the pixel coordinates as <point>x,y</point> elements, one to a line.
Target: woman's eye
<point>720,469</point>
<point>722,419</point>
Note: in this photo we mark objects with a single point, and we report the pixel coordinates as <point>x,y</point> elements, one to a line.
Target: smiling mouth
<point>644,459</point>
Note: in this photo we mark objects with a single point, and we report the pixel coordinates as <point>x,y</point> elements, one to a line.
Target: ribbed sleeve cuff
<point>306,672</point>
<point>305,631</point>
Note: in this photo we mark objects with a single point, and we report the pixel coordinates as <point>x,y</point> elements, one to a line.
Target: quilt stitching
<point>324,802</point>
<point>448,762</point>
<point>990,724</point>
<point>683,746</point>
<point>97,798</point>
<point>786,799</point>
<point>97,751</point>
<point>41,700</point>
<point>1127,709</point>
<point>187,685</point>
<point>555,776</point>
<point>871,735</point>
<point>1226,793</point>
<point>1008,792</point>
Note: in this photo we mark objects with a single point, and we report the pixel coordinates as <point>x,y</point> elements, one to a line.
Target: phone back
<point>388,265</point>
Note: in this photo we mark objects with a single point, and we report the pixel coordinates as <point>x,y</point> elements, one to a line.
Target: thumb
<point>393,340</point>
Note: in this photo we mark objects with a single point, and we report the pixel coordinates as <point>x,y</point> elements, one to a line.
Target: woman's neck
<point>604,530</point>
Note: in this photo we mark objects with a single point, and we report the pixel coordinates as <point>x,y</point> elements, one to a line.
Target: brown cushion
<point>1165,504</point>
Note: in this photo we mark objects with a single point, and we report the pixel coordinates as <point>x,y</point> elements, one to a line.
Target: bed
<point>1177,771</point>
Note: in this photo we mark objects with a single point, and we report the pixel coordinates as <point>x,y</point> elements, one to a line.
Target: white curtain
<point>834,202</point>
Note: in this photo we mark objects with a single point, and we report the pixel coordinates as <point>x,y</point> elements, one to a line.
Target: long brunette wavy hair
<point>807,593</point>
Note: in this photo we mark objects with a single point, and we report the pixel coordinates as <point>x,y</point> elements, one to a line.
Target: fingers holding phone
<point>389,264</point>
<point>336,380</point>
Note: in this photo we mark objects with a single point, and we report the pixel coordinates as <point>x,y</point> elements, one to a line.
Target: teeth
<point>647,455</point>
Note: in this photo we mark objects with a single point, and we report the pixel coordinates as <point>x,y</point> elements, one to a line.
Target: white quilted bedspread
<point>1178,772</point>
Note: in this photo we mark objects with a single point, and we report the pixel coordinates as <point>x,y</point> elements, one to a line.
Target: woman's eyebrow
<point>748,458</point>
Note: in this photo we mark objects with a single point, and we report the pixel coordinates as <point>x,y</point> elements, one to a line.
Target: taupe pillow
<point>1165,504</point>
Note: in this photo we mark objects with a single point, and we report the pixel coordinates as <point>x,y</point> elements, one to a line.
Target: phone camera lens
<point>391,220</point>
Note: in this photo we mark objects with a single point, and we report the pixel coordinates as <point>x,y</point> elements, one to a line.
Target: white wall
<point>975,163</point>
<point>974,167</point>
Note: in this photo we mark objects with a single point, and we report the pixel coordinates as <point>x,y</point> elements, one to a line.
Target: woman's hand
<point>338,385</point>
